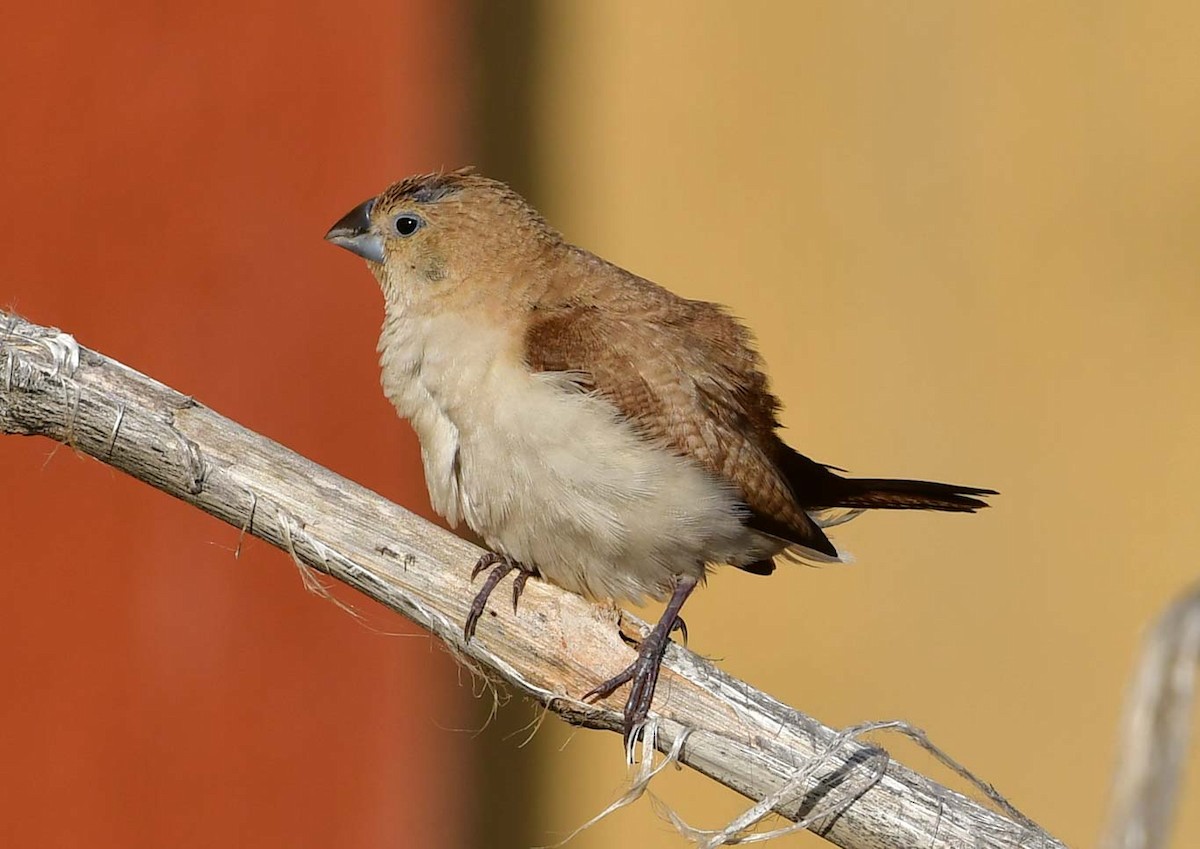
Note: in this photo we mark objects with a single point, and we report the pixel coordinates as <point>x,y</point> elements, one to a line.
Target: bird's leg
<point>643,672</point>
<point>501,565</point>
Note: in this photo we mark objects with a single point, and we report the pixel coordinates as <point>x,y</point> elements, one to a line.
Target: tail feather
<point>816,486</point>
<point>879,493</point>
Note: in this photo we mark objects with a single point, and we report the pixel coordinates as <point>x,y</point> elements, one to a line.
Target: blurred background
<point>965,235</point>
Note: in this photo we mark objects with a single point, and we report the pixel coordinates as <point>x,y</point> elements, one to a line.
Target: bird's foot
<point>501,565</point>
<point>643,672</point>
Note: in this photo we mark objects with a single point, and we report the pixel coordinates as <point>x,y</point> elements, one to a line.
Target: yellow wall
<point>966,236</point>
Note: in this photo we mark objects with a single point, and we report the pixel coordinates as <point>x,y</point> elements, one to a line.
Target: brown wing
<point>685,371</point>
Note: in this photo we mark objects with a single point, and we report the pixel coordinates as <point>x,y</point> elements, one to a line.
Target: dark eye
<point>406,225</point>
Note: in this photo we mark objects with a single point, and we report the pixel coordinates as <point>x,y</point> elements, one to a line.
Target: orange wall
<point>167,172</point>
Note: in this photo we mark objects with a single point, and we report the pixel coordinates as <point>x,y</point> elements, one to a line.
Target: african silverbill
<point>593,428</point>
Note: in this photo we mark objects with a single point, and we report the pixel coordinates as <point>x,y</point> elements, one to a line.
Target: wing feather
<point>686,372</point>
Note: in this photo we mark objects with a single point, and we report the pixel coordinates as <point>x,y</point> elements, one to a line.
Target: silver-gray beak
<point>353,232</point>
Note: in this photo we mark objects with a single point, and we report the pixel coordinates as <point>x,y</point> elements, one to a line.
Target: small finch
<point>593,428</point>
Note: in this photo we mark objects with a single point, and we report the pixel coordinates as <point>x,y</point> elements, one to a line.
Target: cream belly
<point>551,475</point>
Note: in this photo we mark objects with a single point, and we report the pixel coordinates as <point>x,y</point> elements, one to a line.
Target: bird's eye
<point>406,225</point>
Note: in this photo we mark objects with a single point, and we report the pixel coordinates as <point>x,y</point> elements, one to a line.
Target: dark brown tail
<point>817,486</point>
<point>910,495</point>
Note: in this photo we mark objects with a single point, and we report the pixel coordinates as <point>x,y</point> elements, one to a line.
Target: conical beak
<point>353,232</point>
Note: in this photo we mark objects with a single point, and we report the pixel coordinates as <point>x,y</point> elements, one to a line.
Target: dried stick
<point>1156,728</point>
<point>558,646</point>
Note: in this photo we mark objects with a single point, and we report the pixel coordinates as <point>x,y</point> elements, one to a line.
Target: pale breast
<point>551,475</point>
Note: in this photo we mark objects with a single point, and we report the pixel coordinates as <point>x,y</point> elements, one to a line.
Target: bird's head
<point>443,236</point>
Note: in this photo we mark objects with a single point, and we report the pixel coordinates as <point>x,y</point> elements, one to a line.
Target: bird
<point>593,428</point>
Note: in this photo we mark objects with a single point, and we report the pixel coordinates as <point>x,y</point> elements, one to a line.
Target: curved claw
<point>607,688</point>
<point>486,561</point>
<point>519,586</point>
<point>681,627</point>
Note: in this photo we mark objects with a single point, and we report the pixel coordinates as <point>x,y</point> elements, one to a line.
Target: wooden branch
<point>1153,745</point>
<point>556,648</point>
